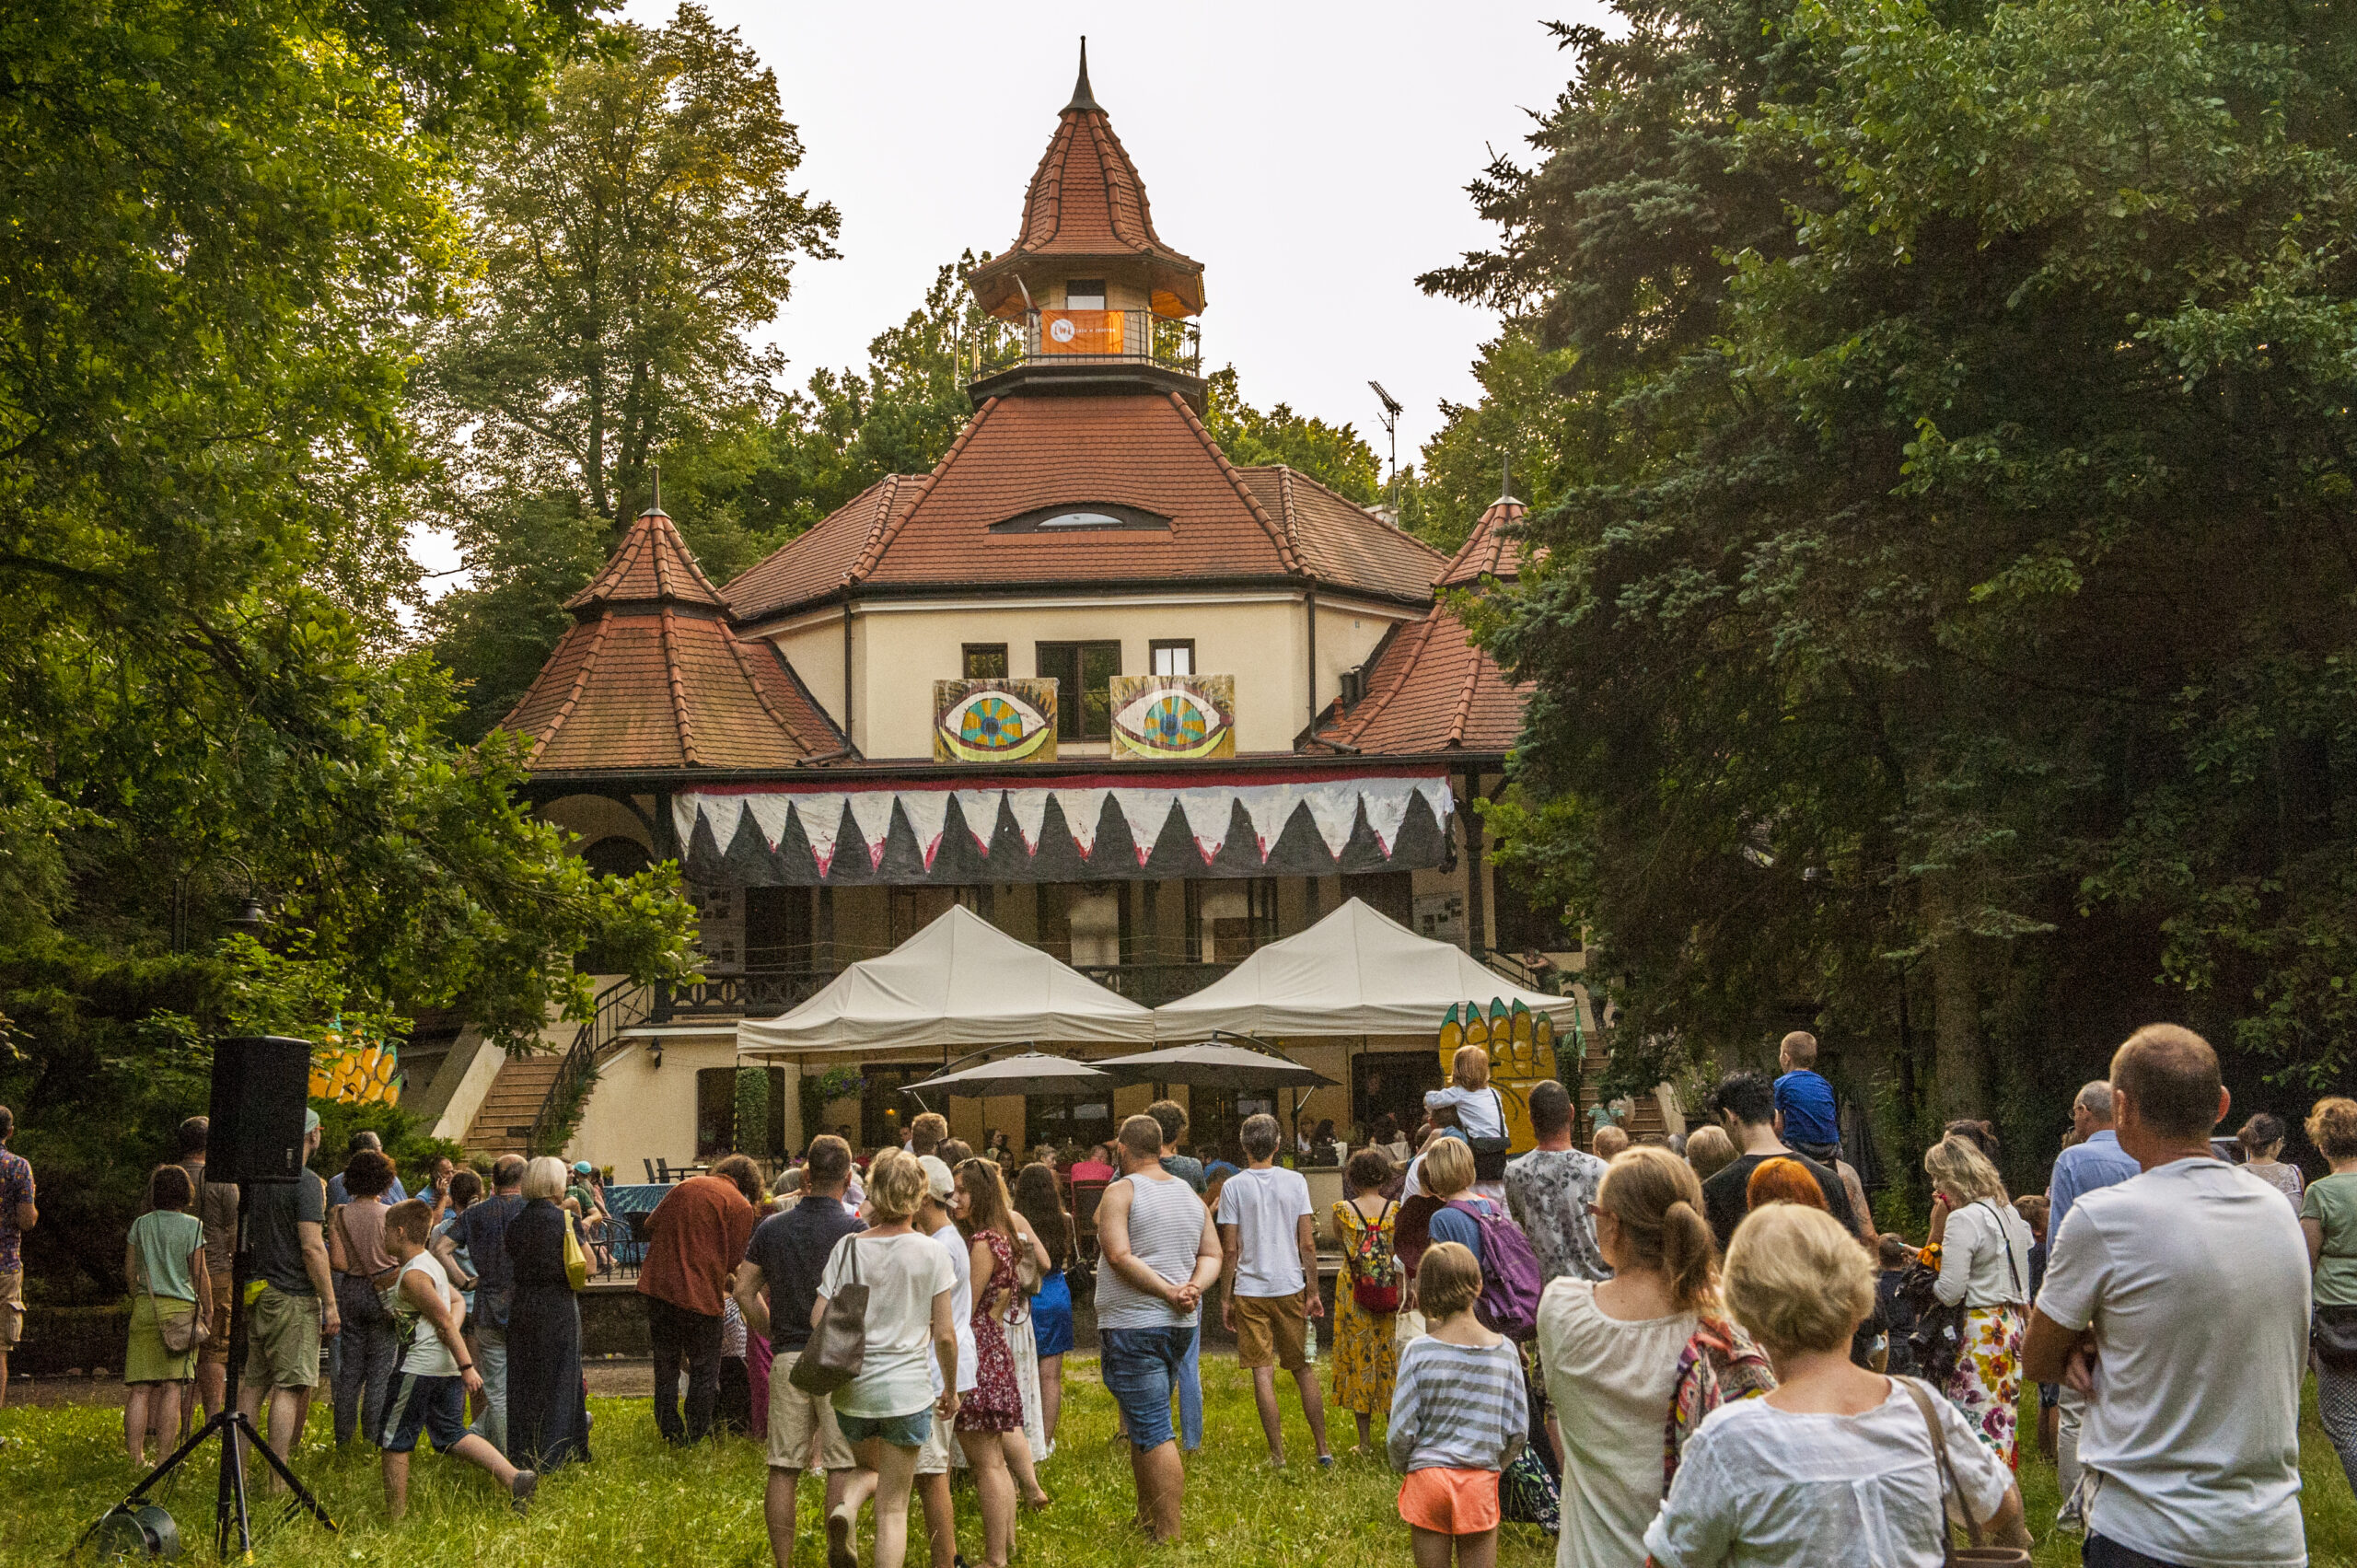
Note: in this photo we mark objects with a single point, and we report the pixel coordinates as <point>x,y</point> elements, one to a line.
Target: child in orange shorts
<point>1459,1416</point>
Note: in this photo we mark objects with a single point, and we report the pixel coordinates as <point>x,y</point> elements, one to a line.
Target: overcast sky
<point>1312,156</point>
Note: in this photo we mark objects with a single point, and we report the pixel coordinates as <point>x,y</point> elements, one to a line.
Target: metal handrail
<point>1150,985</point>
<point>1146,339</point>
<point>580,1063</point>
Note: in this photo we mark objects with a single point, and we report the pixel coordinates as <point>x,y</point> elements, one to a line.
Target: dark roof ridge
<point>891,529</point>
<point>1277,536</point>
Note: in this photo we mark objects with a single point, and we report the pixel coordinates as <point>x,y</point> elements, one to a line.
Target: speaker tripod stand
<point>237,1431</point>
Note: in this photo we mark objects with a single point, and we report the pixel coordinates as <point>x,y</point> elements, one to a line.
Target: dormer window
<point>1083,517</point>
<point>1084,294</point>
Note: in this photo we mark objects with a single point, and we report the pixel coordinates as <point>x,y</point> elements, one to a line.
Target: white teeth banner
<point>1333,805</point>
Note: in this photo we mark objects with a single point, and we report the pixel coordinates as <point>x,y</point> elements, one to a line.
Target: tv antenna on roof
<point>1391,412</point>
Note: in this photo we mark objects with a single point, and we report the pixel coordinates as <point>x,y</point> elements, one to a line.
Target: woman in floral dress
<point>1981,1245</point>
<point>990,1422</point>
<point>1365,1359</point>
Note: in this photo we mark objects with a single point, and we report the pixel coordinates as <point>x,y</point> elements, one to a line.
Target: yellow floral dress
<point>1364,1359</point>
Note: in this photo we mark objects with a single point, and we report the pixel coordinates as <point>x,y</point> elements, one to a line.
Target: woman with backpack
<point>1612,1353</point>
<point>1366,1300</point>
<point>1982,1248</point>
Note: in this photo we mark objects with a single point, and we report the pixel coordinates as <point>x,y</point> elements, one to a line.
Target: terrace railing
<point>1087,337</point>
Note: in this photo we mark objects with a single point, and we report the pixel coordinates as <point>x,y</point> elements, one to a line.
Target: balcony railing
<point>1089,337</point>
<point>1150,985</point>
<point>765,993</point>
<point>752,994</point>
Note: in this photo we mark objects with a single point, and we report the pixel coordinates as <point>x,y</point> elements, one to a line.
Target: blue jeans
<point>1142,1368</point>
<point>1191,1395</point>
<point>490,1360</point>
<point>364,1370</point>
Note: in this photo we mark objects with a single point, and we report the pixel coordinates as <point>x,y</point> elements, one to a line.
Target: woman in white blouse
<point>1610,1352</point>
<point>1837,1465</point>
<point>1980,1245</point>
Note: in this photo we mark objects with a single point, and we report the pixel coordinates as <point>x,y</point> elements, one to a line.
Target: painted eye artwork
<point>1172,723</point>
<point>993,726</point>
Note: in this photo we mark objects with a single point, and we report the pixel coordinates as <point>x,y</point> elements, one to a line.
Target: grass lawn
<point>641,1504</point>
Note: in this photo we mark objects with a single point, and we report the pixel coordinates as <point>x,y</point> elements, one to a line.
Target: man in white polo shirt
<point>1270,1285</point>
<point>2176,1302</point>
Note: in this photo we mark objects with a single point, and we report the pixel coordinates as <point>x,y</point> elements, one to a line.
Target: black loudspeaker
<point>261,1089</point>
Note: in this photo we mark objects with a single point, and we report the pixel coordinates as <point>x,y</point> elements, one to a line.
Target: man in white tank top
<point>1161,1251</point>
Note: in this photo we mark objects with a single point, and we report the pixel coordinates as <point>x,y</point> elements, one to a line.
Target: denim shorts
<point>1140,1367</point>
<point>901,1431</point>
<point>435,1406</point>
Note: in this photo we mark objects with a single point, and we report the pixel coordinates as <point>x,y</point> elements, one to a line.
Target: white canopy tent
<point>960,981</point>
<point>1354,972</point>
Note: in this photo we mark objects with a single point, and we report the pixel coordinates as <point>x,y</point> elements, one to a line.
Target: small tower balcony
<point>1073,339</point>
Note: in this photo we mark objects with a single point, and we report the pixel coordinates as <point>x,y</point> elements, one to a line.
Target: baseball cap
<point>310,1122</point>
<point>580,1167</point>
<point>936,1175</point>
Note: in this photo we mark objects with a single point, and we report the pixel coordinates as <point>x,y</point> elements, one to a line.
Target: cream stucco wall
<point>638,1111</point>
<point>901,648</point>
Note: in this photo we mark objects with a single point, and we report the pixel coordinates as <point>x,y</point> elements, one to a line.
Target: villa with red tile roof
<point>1124,699</point>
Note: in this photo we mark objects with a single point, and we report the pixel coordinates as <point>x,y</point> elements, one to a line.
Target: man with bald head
<point>2175,1305</point>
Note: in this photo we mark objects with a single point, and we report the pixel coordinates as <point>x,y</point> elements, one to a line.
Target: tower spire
<point>1082,99</point>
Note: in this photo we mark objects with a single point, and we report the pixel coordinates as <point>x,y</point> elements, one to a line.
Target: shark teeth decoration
<point>1209,810</point>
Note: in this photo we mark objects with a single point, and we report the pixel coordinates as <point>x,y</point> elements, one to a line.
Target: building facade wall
<point>901,648</point>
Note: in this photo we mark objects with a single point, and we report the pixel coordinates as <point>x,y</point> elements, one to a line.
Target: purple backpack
<point>1510,1277</point>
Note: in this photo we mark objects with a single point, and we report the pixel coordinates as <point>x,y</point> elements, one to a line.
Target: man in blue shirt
<point>363,1139</point>
<point>2095,1161</point>
<point>1805,1114</point>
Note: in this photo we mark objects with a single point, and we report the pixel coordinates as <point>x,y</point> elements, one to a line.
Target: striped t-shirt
<point>1458,1408</point>
<point>1166,1233</point>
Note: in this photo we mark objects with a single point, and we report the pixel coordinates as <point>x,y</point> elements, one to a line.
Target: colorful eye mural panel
<point>994,720</point>
<point>1173,718</point>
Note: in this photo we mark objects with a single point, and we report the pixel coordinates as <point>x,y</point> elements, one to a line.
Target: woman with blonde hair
<point>886,1411</point>
<point>1710,1151</point>
<point>2328,1222</point>
<point>1611,1352</point>
<point>1981,1245</point>
<point>1838,1464</point>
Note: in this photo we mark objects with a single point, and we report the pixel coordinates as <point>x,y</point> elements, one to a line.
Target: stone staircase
<point>503,1125</point>
<point>1645,1121</point>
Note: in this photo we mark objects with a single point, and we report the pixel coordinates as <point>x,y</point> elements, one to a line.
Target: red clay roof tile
<point>1487,552</point>
<point>651,674</point>
<point>1085,200</point>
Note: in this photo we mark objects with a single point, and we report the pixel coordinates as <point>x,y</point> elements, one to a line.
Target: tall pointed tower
<point>1090,290</point>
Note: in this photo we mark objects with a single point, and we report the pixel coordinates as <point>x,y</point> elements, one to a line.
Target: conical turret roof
<point>652,675</point>
<point>1086,203</point>
<point>1487,551</point>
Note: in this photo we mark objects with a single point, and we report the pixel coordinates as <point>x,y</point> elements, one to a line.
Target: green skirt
<point>146,1360</point>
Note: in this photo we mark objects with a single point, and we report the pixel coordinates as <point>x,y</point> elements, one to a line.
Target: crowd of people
<point>1685,1352</point>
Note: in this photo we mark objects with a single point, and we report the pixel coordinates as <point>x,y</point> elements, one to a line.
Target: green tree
<point>1955,634</point>
<point>1522,423</point>
<point>223,230</point>
<point>1331,454</point>
<point>848,429</point>
<point>628,240</point>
